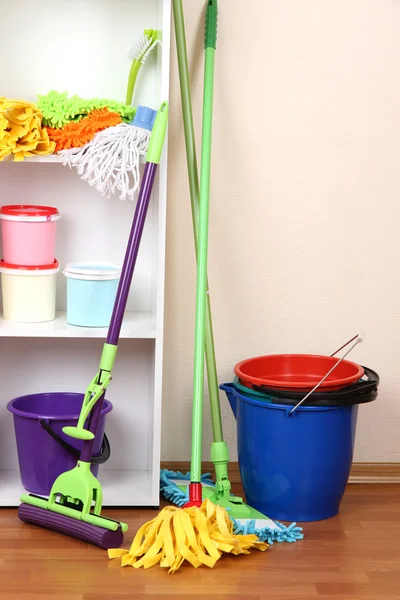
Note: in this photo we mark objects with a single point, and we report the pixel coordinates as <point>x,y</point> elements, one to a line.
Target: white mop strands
<point>110,161</point>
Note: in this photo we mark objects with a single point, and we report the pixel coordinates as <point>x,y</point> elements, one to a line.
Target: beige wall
<point>304,248</point>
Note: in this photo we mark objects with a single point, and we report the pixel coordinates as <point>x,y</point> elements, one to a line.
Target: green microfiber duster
<point>58,109</point>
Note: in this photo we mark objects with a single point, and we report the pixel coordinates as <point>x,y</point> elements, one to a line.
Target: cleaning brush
<point>150,39</point>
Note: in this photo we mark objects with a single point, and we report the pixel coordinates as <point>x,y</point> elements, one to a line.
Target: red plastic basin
<point>297,371</point>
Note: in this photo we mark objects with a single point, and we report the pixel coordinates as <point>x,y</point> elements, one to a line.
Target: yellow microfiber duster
<point>21,132</point>
<point>197,535</point>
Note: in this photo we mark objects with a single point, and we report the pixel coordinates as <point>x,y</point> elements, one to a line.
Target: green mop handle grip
<point>158,135</point>
<point>210,31</point>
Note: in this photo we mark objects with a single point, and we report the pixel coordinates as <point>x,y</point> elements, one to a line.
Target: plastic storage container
<point>41,458</point>
<point>297,371</point>
<point>29,234</point>
<point>29,293</point>
<point>91,291</point>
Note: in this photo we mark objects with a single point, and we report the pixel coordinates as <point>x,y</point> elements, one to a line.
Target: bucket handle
<point>105,450</point>
<point>358,341</point>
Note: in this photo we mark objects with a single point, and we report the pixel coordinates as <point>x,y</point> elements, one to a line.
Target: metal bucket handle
<point>358,341</point>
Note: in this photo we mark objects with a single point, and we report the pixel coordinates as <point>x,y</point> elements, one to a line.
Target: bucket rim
<point>87,270</point>
<point>29,213</point>
<point>29,270</point>
<point>332,384</point>
<point>107,407</point>
<point>283,407</point>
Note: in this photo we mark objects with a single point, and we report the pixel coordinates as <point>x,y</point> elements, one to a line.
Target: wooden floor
<point>353,556</point>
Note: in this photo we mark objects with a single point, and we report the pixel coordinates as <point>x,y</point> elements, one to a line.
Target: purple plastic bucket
<point>41,458</point>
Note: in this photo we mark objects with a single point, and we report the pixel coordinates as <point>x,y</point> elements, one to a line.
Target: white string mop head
<point>110,161</point>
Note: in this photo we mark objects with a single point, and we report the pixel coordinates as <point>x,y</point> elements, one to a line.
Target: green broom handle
<point>201,284</point>
<point>194,198</point>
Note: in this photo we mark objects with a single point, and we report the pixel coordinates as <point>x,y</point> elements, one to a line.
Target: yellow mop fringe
<point>198,535</point>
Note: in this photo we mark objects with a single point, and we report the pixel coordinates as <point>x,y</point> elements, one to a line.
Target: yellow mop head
<point>198,535</point>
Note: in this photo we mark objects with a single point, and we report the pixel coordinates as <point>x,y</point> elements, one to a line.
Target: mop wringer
<point>75,501</point>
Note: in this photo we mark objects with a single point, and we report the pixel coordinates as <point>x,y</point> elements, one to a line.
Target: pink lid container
<point>29,234</point>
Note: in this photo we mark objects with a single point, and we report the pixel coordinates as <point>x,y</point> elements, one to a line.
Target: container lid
<point>30,269</point>
<point>29,212</point>
<point>144,117</point>
<point>93,270</point>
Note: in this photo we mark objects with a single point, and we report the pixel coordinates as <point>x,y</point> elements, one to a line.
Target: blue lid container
<point>91,290</point>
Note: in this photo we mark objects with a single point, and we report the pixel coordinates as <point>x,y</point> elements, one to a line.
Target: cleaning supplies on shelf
<point>58,109</point>
<point>29,268</point>
<point>91,291</point>
<point>21,131</point>
<point>59,122</point>
<point>110,162</point>
<point>69,508</point>
<point>29,233</point>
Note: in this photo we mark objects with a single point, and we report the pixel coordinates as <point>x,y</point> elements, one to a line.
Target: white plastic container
<point>29,293</point>
<point>29,234</point>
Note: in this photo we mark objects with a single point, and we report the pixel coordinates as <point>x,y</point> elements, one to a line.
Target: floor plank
<point>354,556</point>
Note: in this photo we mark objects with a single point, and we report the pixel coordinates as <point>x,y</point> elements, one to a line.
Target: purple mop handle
<point>124,287</point>
<point>131,253</point>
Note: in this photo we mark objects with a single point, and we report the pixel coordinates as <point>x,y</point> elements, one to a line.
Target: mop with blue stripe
<point>174,485</point>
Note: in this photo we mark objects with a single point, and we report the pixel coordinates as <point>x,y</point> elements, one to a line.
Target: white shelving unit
<point>44,357</point>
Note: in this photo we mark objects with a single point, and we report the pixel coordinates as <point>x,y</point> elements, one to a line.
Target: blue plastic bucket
<point>91,291</point>
<point>293,468</point>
